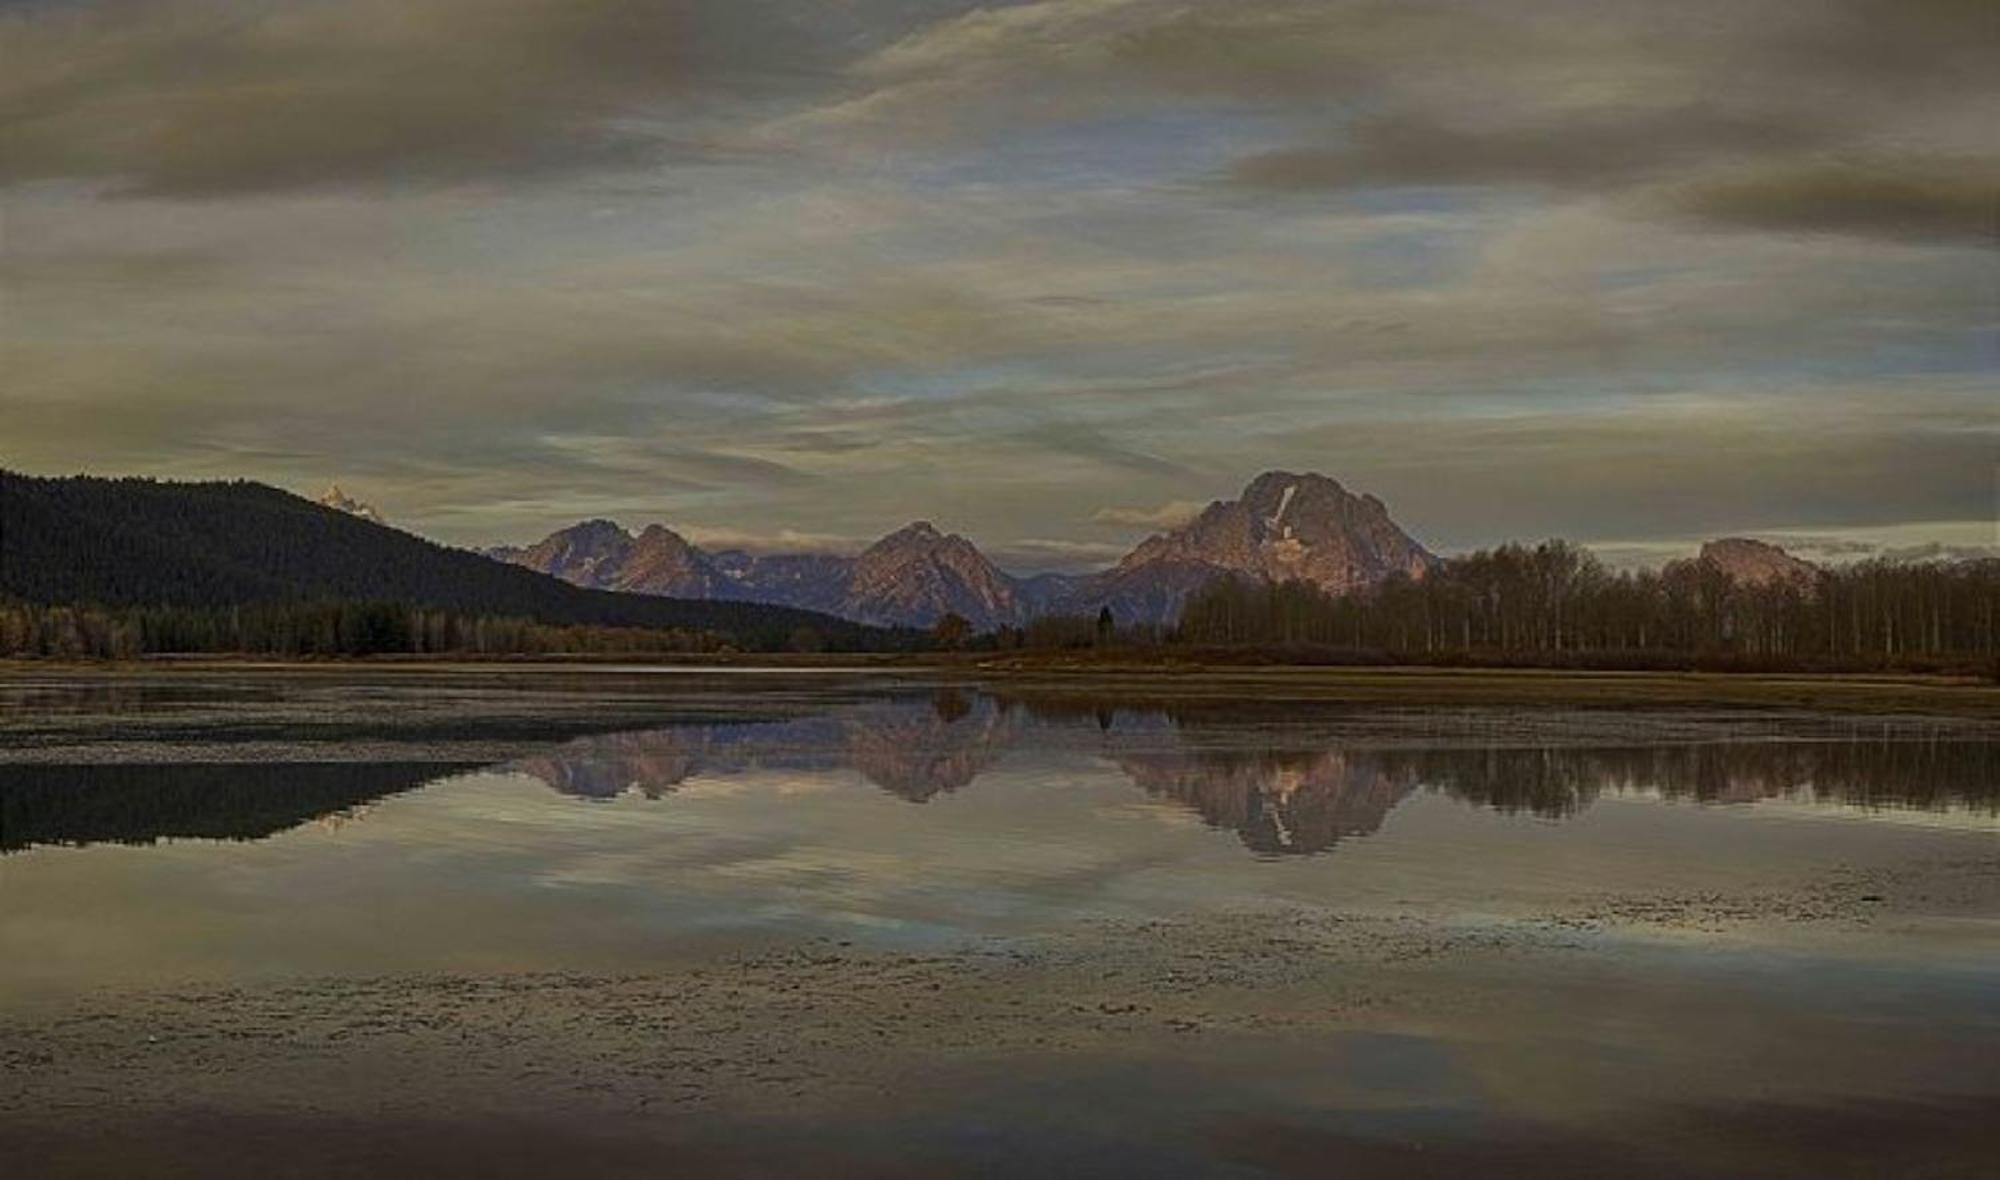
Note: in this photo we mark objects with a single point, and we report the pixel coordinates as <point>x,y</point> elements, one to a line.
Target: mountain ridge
<point>87,540</point>
<point>1284,525</point>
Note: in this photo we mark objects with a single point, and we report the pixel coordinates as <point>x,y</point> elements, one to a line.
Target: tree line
<point>1556,603</point>
<point>305,629</point>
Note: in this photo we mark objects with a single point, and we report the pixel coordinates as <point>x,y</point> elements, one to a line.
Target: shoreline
<point>1143,685</point>
<point>781,1042</point>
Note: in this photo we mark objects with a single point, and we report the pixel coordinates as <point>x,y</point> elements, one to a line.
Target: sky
<point>1051,274</point>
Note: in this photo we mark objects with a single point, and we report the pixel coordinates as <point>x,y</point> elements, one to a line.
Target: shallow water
<point>1652,892</point>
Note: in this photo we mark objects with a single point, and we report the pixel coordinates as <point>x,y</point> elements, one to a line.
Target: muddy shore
<point>732,1060</point>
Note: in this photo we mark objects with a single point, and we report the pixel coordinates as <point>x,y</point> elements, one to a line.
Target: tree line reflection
<point>141,804</point>
<point>1288,780</point>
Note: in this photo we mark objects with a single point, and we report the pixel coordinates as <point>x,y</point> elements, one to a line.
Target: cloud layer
<point>1616,270</point>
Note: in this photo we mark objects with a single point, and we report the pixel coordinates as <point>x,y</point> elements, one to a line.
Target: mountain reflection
<point>911,749</point>
<point>1288,779</point>
<point>1287,782</point>
<point>1277,801</point>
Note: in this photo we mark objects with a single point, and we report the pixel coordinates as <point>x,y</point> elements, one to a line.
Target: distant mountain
<point>1757,563</point>
<point>912,577</point>
<point>1284,526</point>
<point>919,574</point>
<point>812,581</point>
<point>140,542</point>
<point>340,501</point>
<point>602,556</point>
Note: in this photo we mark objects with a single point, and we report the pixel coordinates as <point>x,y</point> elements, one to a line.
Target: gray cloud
<point>1081,441</point>
<point>1046,554</point>
<point>1482,62</point>
<point>1565,97</point>
<point>1168,515</point>
<point>1589,150</point>
<point>1688,467</point>
<point>206,97</point>
<point>1001,266</point>
<point>1945,201</point>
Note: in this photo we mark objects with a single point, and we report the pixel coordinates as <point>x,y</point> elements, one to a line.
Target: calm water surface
<point>913,817</point>
<point>167,834</point>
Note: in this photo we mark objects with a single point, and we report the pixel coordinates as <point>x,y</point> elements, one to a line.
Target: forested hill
<point>141,542</point>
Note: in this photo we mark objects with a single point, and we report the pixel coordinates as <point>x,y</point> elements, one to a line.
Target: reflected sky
<point>920,818</point>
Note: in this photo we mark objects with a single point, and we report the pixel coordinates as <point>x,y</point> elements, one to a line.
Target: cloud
<point>1090,443</point>
<point>1939,551</point>
<point>1923,200</point>
<point>1569,98</point>
<point>1709,464</point>
<point>1581,150</point>
<point>194,97</point>
<point>1000,264</point>
<point>1060,59</point>
<point>780,540</point>
<point>1031,555</point>
<point>1171,514</point>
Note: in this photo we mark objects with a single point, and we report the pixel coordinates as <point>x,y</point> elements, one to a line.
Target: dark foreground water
<point>679,924</point>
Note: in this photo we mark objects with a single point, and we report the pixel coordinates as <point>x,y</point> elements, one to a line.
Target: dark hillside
<point>141,542</point>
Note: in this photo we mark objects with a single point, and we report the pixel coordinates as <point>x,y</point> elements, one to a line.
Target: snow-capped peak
<point>340,501</point>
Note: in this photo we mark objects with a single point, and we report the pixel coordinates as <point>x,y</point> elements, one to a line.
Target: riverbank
<point>1141,684</point>
<point>874,1063</point>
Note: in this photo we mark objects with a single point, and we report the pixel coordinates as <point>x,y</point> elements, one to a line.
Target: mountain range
<point>84,540</point>
<point>1283,526</point>
<point>137,542</point>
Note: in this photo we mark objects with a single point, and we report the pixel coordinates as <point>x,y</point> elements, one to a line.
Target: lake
<point>504,922</point>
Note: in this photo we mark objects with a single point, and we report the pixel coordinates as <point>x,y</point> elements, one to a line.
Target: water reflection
<point>1277,801</point>
<point>129,804</point>
<point>1288,780</point>
<point>912,748</point>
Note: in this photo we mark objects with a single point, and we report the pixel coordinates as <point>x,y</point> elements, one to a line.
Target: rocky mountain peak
<point>582,553</point>
<point>917,535</point>
<point>919,574</point>
<point>1752,562</point>
<point>661,535</point>
<point>1285,526</point>
<point>595,531</point>
<point>1275,487</point>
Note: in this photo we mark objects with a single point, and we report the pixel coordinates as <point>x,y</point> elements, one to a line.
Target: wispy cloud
<point>778,540</point>
<point>1168,515</point>
<point>202,97</point>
